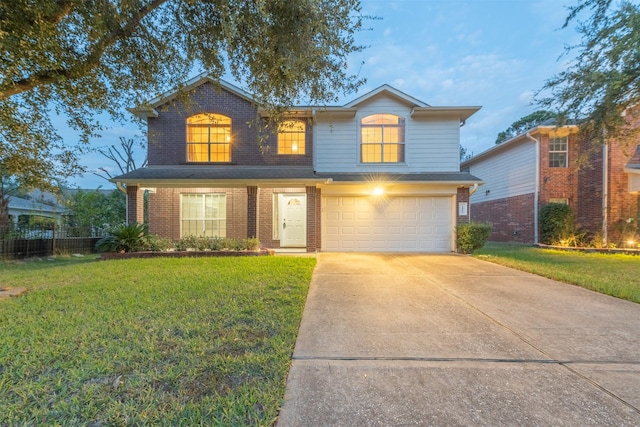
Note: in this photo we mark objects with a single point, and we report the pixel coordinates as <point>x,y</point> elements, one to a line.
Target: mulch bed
<point>591,250</point>
<point>182,254</point>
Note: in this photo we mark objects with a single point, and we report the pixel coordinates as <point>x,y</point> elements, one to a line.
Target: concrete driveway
<point>417,340</point>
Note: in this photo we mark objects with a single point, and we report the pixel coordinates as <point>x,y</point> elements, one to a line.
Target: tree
<point>123,157</point>
<point>83,58</point>
<point>603,80</point>
<point>464,155</point>
<point>524,124</point>
<point>98,208</point>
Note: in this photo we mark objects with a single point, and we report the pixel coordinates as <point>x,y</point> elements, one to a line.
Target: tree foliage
<point>603,80</point>
<point>524,124</point>
<point>84,58</point>
<point>97,208</point>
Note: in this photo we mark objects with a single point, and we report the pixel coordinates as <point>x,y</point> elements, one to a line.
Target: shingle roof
<point>191,175</point>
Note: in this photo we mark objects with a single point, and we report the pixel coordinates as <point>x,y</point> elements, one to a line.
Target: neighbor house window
<point>209,138</point>
<point>204,215</point>
<point>291,137</point>
<point>558,152</point>
<point>382,139</point>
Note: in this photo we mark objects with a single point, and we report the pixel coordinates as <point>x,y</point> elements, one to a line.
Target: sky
<point>490,53</point>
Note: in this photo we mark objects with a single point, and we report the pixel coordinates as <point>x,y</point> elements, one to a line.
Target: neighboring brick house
<point>551,164</point>
<point>378,174</point>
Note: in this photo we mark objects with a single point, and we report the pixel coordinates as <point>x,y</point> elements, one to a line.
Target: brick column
<point>252,211</point>
<point>312,196</point>
<point>135,205</point>
<point>462,197</point>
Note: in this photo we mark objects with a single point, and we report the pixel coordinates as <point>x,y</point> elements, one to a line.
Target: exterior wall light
<point>378,191</point>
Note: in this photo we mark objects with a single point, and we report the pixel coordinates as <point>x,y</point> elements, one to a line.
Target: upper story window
<point>558,152</point>
<point>382,139</point>
<point>209,138</point>
<point>291,137</point>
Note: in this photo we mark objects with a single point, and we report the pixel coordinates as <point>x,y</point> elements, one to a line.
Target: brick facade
<point>512,218</point>
<point>135,205</point>
<point>462,196</point>
<point>251,203</point>
<point>165,207</point>
<point>167,133</point>
<point>580,183</point>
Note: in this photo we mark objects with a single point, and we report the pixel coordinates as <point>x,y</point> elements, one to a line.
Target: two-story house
<point>381,173</point>
<point>552,164</point>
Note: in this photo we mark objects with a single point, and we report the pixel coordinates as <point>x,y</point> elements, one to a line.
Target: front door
<point>292,210</point>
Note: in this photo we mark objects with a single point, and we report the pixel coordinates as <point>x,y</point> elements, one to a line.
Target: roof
<point>290,175</point>
<point>420,109</point>
<point>33,205</point>
<point>548,126</point>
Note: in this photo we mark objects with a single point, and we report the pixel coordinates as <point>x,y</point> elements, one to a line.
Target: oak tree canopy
<point>603,81</point>
<point>85,58</point>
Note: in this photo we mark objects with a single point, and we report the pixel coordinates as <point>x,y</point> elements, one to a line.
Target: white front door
<point>292,210</point>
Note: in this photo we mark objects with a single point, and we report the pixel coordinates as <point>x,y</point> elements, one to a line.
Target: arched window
<point>382,139</point>
<point>291,137</point>
<point>209,138</point>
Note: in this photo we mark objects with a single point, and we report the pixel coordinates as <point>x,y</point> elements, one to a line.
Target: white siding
<point>506,174</point>
<point>430,145</point>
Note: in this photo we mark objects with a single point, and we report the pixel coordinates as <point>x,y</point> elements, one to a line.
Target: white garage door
<point>398,224</point>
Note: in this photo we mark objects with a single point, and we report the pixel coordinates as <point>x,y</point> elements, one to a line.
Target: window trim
<point>302,145</point>
<point>209,144</point>
<point>400,144</point>
<point>565,151</point>
<point>222,215</point>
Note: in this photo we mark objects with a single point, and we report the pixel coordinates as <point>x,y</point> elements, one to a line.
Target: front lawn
<point>617,275</point>
<point>190,341</point>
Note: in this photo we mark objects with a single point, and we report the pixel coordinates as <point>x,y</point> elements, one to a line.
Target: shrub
<point>556,224</point>
<point>471,236</point>
<point>194,243</point>
<point>125,238</point>
<point>160,244</point>
<point>253,244</point>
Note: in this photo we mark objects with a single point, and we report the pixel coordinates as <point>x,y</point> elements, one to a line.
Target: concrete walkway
<point>449,340</point>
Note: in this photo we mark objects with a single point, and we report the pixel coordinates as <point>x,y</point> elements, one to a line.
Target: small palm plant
<point>125,238</point>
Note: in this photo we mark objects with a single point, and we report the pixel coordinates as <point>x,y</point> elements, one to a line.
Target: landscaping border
<point>182,254</point>
<point>591,250</point>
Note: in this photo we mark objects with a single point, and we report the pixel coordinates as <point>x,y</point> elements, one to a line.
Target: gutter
<point>536,193</point>
<point>605,192</point>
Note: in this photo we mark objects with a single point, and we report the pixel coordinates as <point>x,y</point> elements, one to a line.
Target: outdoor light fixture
<point>378,191</point>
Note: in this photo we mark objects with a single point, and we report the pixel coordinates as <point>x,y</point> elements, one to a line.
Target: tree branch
<point>92,59</point>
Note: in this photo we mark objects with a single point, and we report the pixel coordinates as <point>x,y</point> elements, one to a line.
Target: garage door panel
<point>393,224</point>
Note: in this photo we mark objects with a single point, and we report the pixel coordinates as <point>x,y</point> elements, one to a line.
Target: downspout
<point>605,192</point>
<point>473,190</point>
<point>536,194</point>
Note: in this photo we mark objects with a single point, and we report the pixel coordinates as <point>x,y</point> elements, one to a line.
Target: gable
<point>150,108</point>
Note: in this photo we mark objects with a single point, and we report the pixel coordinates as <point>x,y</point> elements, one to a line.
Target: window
<point>204,215</point>
<point>382,139</point>
<point>209,138</point>
<point>291,137</point>
<point>558,149</point>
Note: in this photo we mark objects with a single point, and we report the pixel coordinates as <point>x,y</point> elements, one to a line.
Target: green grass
<point>617,275</point>
<point>192,341</point>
